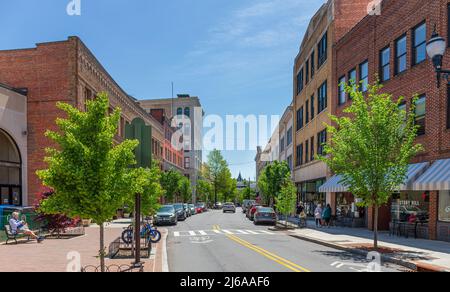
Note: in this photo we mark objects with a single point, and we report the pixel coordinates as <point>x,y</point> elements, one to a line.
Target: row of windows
<point>363,79</point>
<point>307,72</point>
<point>187,112</point>
<point>418,45</point>
<point>286,141</point>
<point>306,113</point>
<point>305,152</point>
<point>419,53</point>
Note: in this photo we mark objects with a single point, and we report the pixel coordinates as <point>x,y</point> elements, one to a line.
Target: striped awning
<point>334,185</point>
<point>436,178</point>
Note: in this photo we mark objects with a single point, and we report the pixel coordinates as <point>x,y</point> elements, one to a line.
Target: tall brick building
<point>391,46</point>
<point>65,71</point>
<point>312,92</point>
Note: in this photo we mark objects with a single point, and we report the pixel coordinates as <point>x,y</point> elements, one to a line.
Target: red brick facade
<point>365,42</point>
<point>63,71</point>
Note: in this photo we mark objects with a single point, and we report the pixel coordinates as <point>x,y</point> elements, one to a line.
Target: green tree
<point>91,176</point>
<point>272,178</point>
<point>147,184</point>
<point>216,171</point>
<point>204,190</point>
<point>286,199</point>
<point>170,182</point>
<point>248,193</point>
<point>371,146</point>
<point>185,190</point>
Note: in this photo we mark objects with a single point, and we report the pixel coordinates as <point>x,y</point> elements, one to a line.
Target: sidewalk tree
<point>170,182</point>
<point>371,146</point>
<point>146,183</point>
<point>89,173</point>
<point>286,199</point>
<point>185,190</point>
<point>216,171</point>
<point>272,179</point>
<point>204,190</point>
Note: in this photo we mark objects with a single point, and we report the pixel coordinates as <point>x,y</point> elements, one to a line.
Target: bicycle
<point>148,232</point>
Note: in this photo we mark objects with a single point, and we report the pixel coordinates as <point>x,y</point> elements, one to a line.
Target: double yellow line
<point>282,261</point>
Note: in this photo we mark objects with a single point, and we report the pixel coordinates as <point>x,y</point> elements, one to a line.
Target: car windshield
<point>166,209</point>
<point>178,206</point>
<point>265,210</point>
<point>191,206</point>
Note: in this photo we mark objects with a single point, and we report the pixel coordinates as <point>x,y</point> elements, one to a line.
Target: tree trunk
<point>375,229</point>
<point>102,248</point>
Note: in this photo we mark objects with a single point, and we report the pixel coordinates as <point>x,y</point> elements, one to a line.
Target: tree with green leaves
<point>170,182</point>
<point>90,175</point>
<point>272,178</point>
<point>286,199</point>
<point>372,146</point>
<point>204,190</point>
<point>216,171</point>
<point>185,190</point>
<point>248,193</point>
<point>147,183</point>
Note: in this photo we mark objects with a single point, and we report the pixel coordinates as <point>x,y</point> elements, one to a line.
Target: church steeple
<point>239,179</point>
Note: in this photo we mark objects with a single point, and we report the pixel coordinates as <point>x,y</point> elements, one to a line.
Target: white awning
<point>334,185</point>
<point>436,178</point>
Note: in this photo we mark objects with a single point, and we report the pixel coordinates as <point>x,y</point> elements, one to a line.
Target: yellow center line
<point>288,264</point>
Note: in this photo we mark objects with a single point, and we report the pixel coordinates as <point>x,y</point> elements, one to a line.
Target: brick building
<point>391,46</point>
<point>313,79</point>
<point>64,71</point>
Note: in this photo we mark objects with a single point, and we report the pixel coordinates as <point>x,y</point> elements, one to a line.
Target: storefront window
<point>347,206</point>
<point>310,196</point>
<point>410,207</point>
<point>444,206</point>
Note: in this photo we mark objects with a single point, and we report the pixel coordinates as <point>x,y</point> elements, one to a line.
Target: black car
<point>181,211</point>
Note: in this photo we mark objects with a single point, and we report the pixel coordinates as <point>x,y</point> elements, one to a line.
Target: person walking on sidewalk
<point>318,215</point>
<point>326,215</point>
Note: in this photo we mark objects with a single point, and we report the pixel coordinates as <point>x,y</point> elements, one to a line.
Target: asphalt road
<point>217,242</point>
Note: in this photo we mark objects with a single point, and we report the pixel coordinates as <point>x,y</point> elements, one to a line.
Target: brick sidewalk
<point>51,256</point>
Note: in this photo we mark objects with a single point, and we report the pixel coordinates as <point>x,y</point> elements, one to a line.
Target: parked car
<point>246,204</point>
<point>192,209</point>
<point>181,212</point>
<point>229,207</point>
<point>218,206</point>
<point>252,210</point>
<point>166,215</point>
<point>264,215</point>
<point>188,210</point>
<point>198,209</point>
<point>202,206</point>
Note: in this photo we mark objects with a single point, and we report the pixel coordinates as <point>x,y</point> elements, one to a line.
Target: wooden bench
<point>14,236</point>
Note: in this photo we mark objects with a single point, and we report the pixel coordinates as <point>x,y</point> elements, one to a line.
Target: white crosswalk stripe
<point>220,232</point>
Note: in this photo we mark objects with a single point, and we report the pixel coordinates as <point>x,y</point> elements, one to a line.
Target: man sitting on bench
<point>20,227</point>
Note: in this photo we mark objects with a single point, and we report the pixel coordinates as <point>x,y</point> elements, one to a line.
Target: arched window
<point>187,112</point>
<point>179,111</point>
<point>10,171</point>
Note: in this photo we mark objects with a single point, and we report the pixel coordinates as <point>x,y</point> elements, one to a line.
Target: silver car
<point>229,207</point>
<point>265,215</point>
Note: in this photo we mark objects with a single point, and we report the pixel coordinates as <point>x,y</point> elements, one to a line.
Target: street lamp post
<point>435,49</point>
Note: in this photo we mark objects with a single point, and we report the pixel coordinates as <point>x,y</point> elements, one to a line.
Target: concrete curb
<point>407,264</point>
<point>165,263</point>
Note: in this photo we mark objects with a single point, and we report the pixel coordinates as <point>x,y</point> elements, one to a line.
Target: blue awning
<point>436,178</point>
<point>334,185</point>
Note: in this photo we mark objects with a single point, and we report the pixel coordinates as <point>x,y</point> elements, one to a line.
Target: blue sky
<point>236,55</point>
